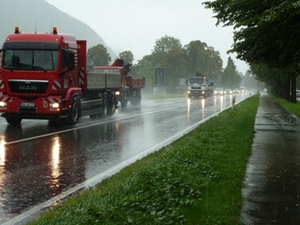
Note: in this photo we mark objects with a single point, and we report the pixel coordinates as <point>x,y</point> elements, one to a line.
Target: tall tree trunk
<point>286,89</point>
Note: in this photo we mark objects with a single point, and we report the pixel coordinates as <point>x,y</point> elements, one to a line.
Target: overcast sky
<point>135,25</point>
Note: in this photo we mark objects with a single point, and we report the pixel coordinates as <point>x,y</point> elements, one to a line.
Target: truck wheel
<point>112,105</point>
<point>13,121</point>
<point>73,114</point>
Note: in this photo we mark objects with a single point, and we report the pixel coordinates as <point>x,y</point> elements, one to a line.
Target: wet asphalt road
<point>39,162</point>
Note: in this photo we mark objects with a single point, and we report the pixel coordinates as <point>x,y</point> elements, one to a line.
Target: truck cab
<point>38,72</point>
<point>199,86</point>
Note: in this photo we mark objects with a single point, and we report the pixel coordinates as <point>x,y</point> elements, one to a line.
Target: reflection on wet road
<point>38,161</point>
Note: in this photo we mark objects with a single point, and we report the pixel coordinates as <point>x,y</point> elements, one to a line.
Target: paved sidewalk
<point>272,183</point>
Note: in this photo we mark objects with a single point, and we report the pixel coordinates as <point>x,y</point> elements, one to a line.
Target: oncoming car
<point>219,91</point>
<point>228,91</point>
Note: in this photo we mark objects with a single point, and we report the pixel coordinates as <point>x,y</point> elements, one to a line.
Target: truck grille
<point>22,86</point>
<point>27,110</point>
<point>196,88</point>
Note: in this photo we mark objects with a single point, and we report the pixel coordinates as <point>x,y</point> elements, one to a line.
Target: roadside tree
<point>166,44</point>
<point>174,64</point>
<point>145,68</point>
<point>203,58</point>
<point>230,77</point>
<point>97,56</point>
<point>127,56</point>
<point>168,54</point>
<point>266,33</point>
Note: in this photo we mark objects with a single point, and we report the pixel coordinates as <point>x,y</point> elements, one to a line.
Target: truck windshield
<point>196,80</point>
<point>45,60</point>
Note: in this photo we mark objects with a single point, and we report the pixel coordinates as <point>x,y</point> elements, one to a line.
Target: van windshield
<point>30,59</point>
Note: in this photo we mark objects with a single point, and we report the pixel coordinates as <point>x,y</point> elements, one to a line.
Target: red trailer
<point>131,87</point>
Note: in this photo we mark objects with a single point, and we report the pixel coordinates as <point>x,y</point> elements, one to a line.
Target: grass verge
<point>196,180</point>
<point>289,106</point>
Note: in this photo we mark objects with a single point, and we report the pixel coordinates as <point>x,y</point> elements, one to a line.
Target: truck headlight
<point>54,105</point>
<point>3,104</point>
<point>188,92</point>
<point>117,93</point>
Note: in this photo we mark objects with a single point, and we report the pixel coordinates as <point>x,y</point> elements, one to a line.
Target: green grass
<point>196,180</point>
<point>291,107</point>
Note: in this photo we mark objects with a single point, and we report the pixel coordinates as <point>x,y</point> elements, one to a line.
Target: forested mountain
<point>40,16</point>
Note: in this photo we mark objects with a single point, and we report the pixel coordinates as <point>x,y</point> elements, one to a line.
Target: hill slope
<point>40,16</point>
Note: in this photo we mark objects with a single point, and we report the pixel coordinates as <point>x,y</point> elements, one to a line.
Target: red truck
<point>131,87</point>
<point>43,76</point>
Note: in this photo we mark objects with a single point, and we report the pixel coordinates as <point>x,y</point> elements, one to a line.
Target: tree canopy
<point>179,61</point>
<point>166,43</point>
<point>127,56</point>
<point>266,33</point>
<point>230,77</point>
<point>97,56</point>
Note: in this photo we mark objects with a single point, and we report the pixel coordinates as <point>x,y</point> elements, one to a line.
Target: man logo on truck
<point>28,88</point>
